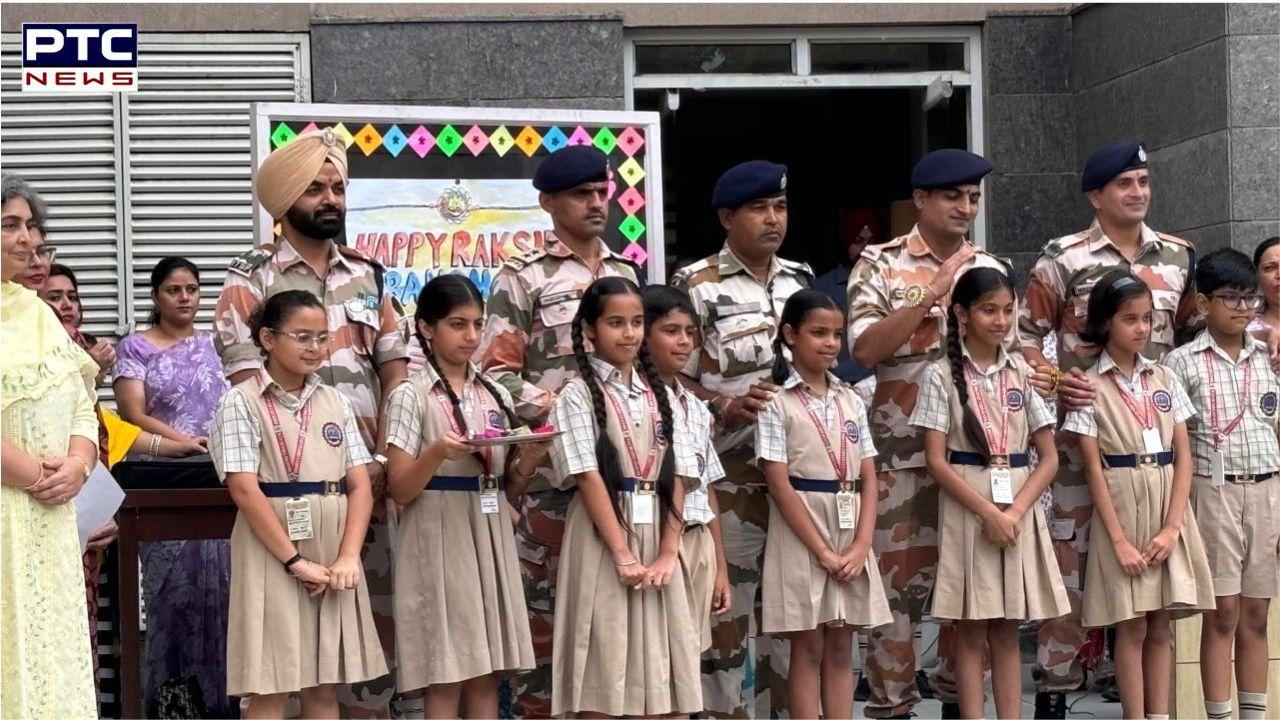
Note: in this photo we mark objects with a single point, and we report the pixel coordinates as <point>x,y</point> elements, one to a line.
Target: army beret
<point>749,181</point>
<point>1109,161</point>
<point>949,167</point>
<point>569,167</point>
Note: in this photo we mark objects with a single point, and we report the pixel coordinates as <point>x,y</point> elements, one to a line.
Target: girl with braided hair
<point>820,579</point>
<point>625,642</point>
<point>461,619</point>
<point>996,566</point>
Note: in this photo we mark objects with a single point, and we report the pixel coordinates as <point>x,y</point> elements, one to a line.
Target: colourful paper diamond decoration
<point>580,137</point>
<point>632,228</point>
<point>554,139</point>
<point>421,141</point>
<point>630,141</point>
<point>529,141</point>
<point>309,128</point>
<point>341,131</point>
<point>501,140</point>
<point>475,140</point>
<point>635,252</point>
<point>448,140</point>
<point>631,201</point>
<point>394,141</point>
<point>368,139</point>
<point>605,140</point>
<point>282,135</point>
<point>631,171</point>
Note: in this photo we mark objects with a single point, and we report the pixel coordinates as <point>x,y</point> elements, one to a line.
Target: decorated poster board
<point>446,189</point>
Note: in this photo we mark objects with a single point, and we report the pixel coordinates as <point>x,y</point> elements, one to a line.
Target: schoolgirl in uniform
<point>670,335</point>
<point>820,580</point>
<point>625,643</point>
<point>1147,563</point>
<point>292,457</point>
<point>461,619</point>
<point>996,564</point>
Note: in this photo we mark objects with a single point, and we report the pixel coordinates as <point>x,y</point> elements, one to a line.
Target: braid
<point>666,472</point>
<point>454,403</point>
<point>606,454</point>
<point>969,423</point>
<point>512,419</point>
<point>780,369</point>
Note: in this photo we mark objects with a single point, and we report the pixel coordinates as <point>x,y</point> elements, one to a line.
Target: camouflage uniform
<point>738,317</point>
<point>527,348</point>
<point>906,537</point>
<point>365,330</point>
<point>1056,300</point>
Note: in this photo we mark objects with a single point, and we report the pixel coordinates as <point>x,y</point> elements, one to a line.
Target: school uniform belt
<point>298,489</point>
<point>461,483</point>
<point>1139,460</point>
<point>824,486</point>
<point>693,526</point>
<point>1013,460</point>
<point>1248,479</point>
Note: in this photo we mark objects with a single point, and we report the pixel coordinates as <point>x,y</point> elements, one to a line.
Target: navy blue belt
<point>824,486</point>
<point>1139,460</point>
<point>1248,479</point>
<point>298,489</point>
<point>460,483</point>
<point>1014,460</point>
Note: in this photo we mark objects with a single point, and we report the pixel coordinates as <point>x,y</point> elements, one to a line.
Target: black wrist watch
<point>288,564</point>
<point>714,409</point>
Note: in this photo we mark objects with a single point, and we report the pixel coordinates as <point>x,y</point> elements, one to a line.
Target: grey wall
<point>1199,83</point>
<point>559,63</point>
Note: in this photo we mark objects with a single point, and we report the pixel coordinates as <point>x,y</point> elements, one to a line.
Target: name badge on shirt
<point>1001,485</point>
<point>1151,440</point>
<point>297,515</point>
<point>844,510</point>
<point>489,495</point>
<point>642,507</point>
<point>1217,468</point>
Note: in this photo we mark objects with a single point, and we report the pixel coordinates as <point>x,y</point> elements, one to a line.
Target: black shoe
<point>923,685</point>
<point>950,711</point>
<point>862,693</point>
<point>1051,706</point>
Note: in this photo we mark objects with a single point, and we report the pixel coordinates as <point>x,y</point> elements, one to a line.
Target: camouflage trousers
<point>538,537</point>
<point>727,690</point>
<point>372,699</point>
<point>1058,666</point>
<point>906,545</point>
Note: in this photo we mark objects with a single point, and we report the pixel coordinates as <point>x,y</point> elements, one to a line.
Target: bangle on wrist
<point>629,563</point>
<point>84,464</point>
<point>155,444</point>
<point>39,474</point>
<point>288,564</point>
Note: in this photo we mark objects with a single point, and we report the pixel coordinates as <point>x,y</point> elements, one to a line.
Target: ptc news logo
<point>80,57</point>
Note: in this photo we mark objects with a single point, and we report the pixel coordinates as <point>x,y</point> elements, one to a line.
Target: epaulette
<point>246,263</point>
<point>522,260</point>
<point>799,267</point>
<point>1057,246</point>
<point>687,272</point>
<point>353,254</point>
<point>1174,240</point>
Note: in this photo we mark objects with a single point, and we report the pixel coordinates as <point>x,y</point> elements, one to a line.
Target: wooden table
<point>199,513</point>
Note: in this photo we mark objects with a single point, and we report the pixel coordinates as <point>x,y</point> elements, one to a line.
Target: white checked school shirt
<point>933,406</point>
<point>574,451</point>
<point>235,435</point>
<point>695,455</point>
<point>404,407</point>
<point>1251,448</point>
<point>771,432</point>
<point>1083,422</point>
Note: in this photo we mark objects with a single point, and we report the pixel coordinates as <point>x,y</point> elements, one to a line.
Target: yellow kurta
<point>46,666</point>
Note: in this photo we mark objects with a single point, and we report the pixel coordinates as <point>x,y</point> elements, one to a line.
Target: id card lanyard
<point>488,481</point>
<point>642,500</point>
<point>839,461</point>
<point>1146,417</point>
<point>297,511</point>
<point>1218,433</point>
<point>999,470</point>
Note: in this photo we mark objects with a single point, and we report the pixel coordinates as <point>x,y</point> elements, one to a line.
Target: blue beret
<point>1109,161</point>
<point>569,167</point>
<point>949,167</point>
<point>749,181</point>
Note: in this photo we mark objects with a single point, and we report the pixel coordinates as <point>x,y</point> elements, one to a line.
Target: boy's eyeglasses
<point>1240,301</point>
<point>305,338</point>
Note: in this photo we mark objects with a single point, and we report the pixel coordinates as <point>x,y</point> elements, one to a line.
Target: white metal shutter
<point>187,157</point>
<point>65,145</point>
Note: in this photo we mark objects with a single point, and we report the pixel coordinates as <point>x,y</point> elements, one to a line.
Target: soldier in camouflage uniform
<point>528,349</point>
<point>303,185</point>
<point>897,322</point>
<point>738,294</point>
<point>1057,296</point>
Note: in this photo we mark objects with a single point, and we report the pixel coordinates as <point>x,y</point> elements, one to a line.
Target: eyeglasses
<point>46,253</point>
<point>1239,301</point>
<point>305,338</point>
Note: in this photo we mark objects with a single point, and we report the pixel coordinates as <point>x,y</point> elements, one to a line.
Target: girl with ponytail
<point>820,581</point>
<point>624,639</point>
<point>996,566</point>
<point>461,619</point>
